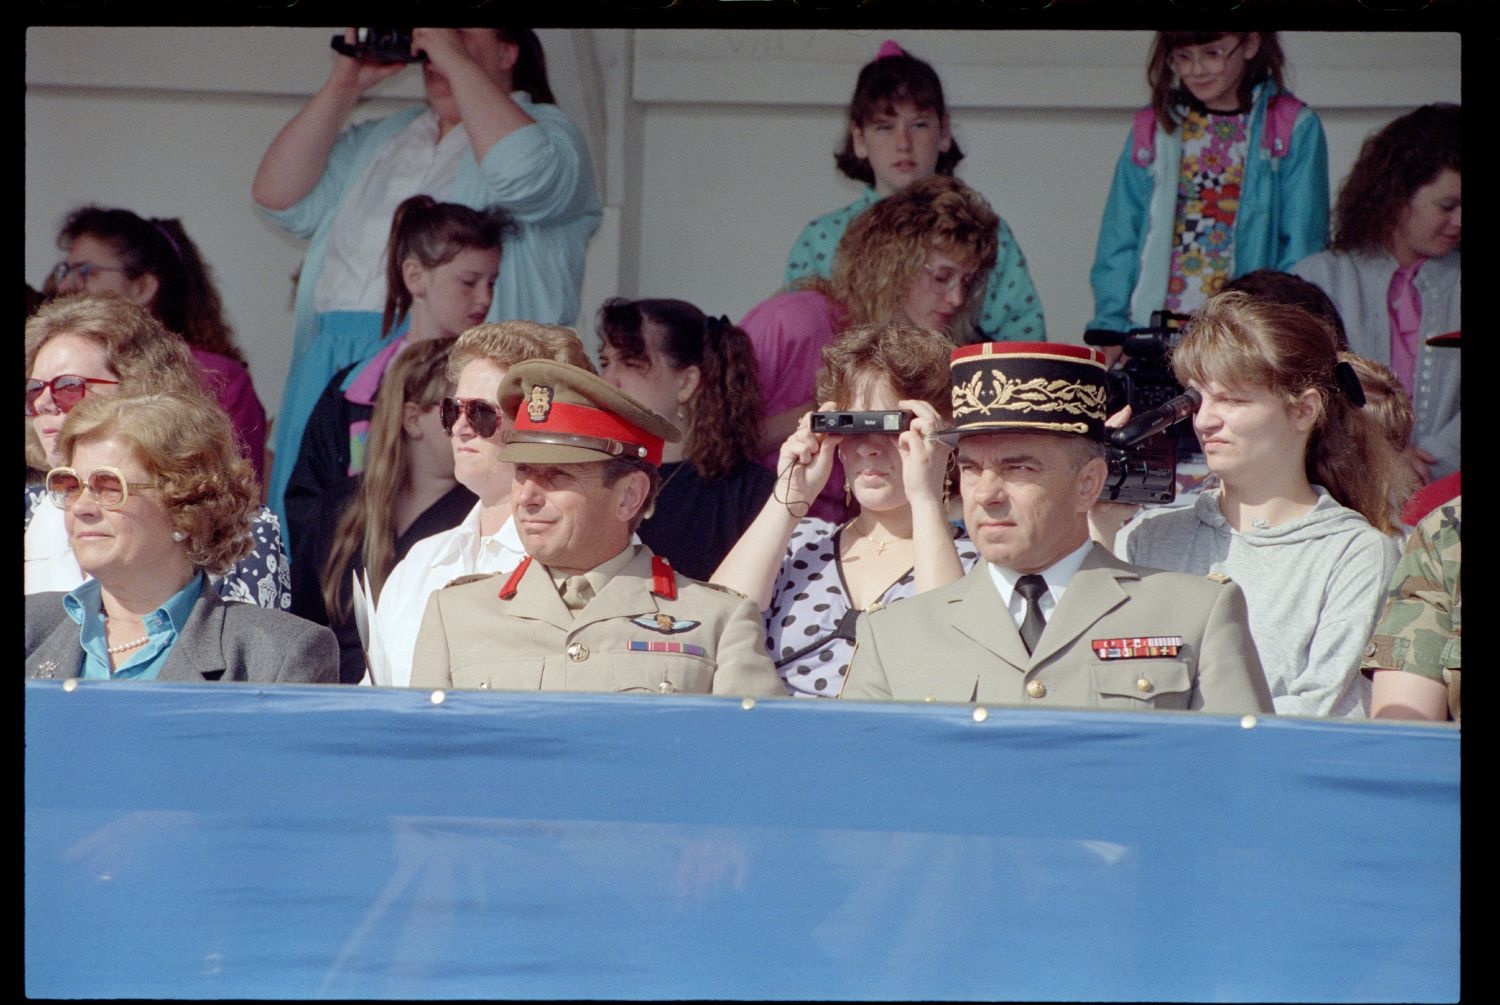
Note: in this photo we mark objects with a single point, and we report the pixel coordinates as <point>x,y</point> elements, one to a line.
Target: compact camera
<point>894,421</point>
<point>379,45</point>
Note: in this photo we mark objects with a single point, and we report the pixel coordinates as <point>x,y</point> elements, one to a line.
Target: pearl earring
<point>178,536</point>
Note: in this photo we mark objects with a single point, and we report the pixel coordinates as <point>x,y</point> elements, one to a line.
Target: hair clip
<point>889,48</point>
<point>1348,382</point>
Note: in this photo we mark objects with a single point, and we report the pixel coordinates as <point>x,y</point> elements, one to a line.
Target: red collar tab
<point>663,581</point>
<point>508,591</point>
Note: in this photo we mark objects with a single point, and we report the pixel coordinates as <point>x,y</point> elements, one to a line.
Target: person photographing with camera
<point>811,577</point>
<point>488,134</point>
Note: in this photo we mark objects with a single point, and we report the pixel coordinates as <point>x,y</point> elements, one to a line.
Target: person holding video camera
<point>1309,484</point>
<point>489,134</point>
<point>811,578</point>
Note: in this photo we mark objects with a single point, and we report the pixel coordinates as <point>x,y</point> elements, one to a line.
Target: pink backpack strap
<point>1143,137</point>
<point>1281,118</point>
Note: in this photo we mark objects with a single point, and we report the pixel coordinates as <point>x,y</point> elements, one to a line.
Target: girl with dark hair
<point>700,373</point>
<point>154,264</point>
<point>488,134</point>
<point>1395,271</point>
<point>1309,483</point>
<point>406,493</point>
<point>898,132</point>
<point>1223,173</point>
<point>441,260</point>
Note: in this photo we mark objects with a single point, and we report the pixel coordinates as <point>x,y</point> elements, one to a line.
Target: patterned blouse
<point>1214,148</point>
<point>810,622</point>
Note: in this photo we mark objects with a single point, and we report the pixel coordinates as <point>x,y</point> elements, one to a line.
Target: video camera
<point>379,45</point>
<point>1143,455</point>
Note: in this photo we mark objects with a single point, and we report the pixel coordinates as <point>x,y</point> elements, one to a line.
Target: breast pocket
<point>660,673</point>
<point>498,675</point>
<point>1127,684</point>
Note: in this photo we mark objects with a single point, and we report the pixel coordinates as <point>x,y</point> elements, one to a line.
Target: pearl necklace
<point>127,646</point>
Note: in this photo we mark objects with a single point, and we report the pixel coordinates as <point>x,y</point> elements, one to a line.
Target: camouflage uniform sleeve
<point>1420,631</point>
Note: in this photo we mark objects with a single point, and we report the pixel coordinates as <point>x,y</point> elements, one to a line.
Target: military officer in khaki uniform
<point>588,610</point>
<point>1049,619</point>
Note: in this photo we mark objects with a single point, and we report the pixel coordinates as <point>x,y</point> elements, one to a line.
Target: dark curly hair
<point>1404,155</point>
<point>722,419</point>
<point>186,300</point>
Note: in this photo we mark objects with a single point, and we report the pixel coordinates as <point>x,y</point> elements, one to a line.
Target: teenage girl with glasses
<point>1223,173</point>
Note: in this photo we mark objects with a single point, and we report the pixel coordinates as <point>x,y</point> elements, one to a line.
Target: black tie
<point>1032,588</point>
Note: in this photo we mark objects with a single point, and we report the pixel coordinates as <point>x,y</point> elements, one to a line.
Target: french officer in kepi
<point>588,610</point>
<point>1049,619</point>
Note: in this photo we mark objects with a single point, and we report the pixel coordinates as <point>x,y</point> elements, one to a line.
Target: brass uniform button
<point>665,687</point>
<point>1370,649</point>
<point>1143,685</point>
<point>578,652</point>
<point>1036,689</point>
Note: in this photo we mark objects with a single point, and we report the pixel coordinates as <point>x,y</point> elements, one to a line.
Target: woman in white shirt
<point>486,540</point>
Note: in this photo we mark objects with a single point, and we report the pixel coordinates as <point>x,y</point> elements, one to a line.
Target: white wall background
<point>712,148</point>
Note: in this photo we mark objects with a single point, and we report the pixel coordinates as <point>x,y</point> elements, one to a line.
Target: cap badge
<point>1039,394</point>
<point>539,405</point>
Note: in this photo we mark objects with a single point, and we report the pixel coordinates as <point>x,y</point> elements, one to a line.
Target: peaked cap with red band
<point>1027,387</point>
<point>567,415</point>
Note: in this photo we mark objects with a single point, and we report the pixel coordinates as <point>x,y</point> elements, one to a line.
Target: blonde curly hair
<point>882,253</point>
<point>187,446</point>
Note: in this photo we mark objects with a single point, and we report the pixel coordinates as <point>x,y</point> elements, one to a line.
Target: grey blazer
<point>221,640</point>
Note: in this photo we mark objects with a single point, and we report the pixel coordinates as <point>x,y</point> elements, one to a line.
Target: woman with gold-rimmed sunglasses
<point>100,345</point>
<point>486,541</point>
<point>155,500</point>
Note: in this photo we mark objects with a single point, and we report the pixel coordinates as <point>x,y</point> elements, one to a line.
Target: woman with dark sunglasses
<point>88,345</point>
<point>486,540</point>
<point>156,500</point>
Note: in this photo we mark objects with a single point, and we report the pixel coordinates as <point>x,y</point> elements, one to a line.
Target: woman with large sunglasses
<point>486,541</point>
<point>100,345</point>
<point>156,500</point>
<point>406,493</point>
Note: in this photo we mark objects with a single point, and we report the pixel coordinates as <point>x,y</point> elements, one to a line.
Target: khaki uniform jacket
<point>958,643</point>
<point>470,638</point>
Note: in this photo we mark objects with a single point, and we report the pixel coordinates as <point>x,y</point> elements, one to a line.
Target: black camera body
<point>1145,472</point>
<point>854,423</point>
<point>379,45</point>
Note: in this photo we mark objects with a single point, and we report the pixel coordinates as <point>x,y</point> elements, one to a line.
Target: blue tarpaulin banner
<point>231,841</point>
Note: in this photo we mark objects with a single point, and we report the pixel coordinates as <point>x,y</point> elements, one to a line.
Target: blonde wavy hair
<point>139,351</point>
<point>506,343</point>
<point>882,253</point>
<point>186,444</point>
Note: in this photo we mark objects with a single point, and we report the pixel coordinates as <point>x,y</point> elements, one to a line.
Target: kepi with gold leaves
<point>1027,387</point>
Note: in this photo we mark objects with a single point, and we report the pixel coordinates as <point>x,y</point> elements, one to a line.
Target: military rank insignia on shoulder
<point>1219,577</point>
<point>722,589</point>
<point>472,577</point>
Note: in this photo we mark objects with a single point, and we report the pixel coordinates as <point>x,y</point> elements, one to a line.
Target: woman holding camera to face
<point>489,134</point>
<point>811,577</point>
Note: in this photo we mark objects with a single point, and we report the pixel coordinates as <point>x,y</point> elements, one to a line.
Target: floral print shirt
<point>1214,148</point>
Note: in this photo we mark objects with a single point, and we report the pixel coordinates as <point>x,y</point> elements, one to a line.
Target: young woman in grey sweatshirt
<point>1301,517</point>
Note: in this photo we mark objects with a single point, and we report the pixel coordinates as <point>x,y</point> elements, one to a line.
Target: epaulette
<point>722,589</point>
<point>1219,577</point>
<point>472,577</point>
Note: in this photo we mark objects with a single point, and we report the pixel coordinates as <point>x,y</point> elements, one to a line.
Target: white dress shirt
<point>1058,575</point>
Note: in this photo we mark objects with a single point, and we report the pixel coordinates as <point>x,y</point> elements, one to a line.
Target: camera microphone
<point>1157,419</point>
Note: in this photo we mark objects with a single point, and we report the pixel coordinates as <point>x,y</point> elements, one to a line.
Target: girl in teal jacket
<point>1224,173</point>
